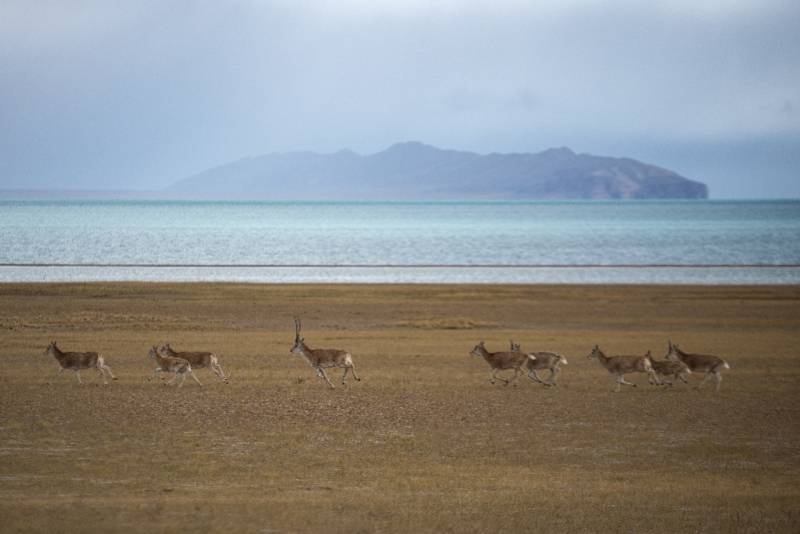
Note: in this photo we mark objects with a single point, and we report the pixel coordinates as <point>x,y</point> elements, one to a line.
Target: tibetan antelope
<point>321,359</point>
<point>169,364</point>
<point>699,363</point>
<point>544,360</point>
<point>198,360</point>
<point>668,369</point>
<point>79,360</point>
<point>500,361</point>
<point>623,365</point>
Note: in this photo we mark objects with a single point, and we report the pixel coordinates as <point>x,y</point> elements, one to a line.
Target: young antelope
<point>169,364</point>
<point>544,360</point>
<point>623,365</point>
<point>198,360</point>
<point>668,369</point>
<point>699,363</point>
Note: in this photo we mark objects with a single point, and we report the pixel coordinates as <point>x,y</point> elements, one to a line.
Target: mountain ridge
<point>412,170</point>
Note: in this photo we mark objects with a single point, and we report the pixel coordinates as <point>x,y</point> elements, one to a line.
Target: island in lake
<point>416,171</point>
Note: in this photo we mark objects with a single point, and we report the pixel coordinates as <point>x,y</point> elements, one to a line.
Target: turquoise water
<point>639,242</point>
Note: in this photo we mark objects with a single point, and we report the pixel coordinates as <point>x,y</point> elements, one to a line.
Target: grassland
<point>424,442</point>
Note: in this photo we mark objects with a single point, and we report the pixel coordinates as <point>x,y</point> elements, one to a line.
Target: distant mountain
<point>415,171</point>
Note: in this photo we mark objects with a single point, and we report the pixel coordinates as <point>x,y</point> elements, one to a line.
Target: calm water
<point>687,242</point>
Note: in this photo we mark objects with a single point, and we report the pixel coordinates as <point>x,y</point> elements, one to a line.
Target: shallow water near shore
<point>716,242</point>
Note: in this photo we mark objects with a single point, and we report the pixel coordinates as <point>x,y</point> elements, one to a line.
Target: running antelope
<point>169,364</point>
<point>79,360</point>
<point>699,363</point>
<point>623,365</point>
<point>321,359</point>
<point>668,368</point>
<point>544,360</point>
<point>500,361</point>
<point>198,360</point>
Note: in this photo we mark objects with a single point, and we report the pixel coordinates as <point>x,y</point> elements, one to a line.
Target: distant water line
<point>481,242</point>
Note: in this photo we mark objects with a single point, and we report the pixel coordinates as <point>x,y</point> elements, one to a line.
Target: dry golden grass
<point>424,442</point>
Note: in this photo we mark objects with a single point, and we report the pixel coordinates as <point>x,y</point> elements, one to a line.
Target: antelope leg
<point>514,378</point>
<point>623,381</point>
<point>708,375</point>
<point>191,372</point>
<point>494,376</point>
<point>353,372</point>
<point>217,368</point>
<point>321,372</point>
<point>107,369</point>
<point>553,375</point>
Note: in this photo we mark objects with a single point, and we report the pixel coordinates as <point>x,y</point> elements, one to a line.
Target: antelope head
<point>51,348</point>
<point>153,354</point>
<point>515,347</point>
<point>672,351</point>
<point>595,352</point>
<point>479,350</point>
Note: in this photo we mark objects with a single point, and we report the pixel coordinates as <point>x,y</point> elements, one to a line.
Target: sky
<point>139,94</point>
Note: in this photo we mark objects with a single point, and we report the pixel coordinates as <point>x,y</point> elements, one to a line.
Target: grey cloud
<point>138,94</point>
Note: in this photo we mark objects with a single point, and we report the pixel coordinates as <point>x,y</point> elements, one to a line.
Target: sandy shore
<point>424,442</point>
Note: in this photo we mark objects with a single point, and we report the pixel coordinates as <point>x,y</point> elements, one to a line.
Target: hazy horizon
<point>138,95</point>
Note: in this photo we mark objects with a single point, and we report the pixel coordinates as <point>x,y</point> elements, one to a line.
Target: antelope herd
<point>676,365</point>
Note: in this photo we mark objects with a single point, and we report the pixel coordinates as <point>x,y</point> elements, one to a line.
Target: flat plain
<point>423,442</point>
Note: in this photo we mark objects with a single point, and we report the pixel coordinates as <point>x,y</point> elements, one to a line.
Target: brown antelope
<point>79,360</point>
<point>668,368</point>
<point>544,360</point>
<point>699,363</point>
<point>623,365</point>
<point>198,360</point>
<point>169,364</point>
<point>500,361</point>
<point>321,359</point>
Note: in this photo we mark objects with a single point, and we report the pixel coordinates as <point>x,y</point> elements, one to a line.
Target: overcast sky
<point>135,95</point>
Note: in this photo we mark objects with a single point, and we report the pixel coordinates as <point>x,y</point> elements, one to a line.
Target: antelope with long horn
<point>699,363</point>
<point>544,360</point>
<point>321,359</point>
<point>623,365</point>
<point>500,361</point>
<point>76,361</point>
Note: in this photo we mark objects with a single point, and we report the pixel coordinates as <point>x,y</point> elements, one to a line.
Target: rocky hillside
<point>414,171</point>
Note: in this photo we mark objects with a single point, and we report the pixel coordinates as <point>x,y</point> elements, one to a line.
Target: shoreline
<point>462,274</point>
